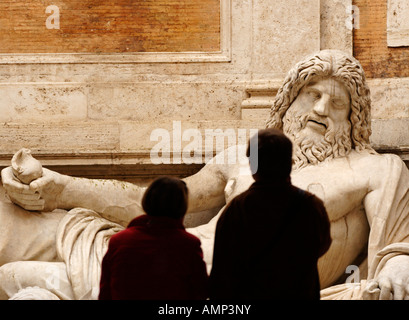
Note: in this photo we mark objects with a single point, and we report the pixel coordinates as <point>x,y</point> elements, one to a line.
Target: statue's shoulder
<point>377,163</point>
<point>381,157</point>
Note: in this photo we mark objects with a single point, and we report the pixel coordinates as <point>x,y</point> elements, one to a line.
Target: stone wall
<point>76,110</point>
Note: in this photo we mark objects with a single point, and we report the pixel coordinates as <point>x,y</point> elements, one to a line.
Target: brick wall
<point>370,43</point>
<point>109,26</point>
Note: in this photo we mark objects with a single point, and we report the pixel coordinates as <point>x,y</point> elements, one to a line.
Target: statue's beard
<point>313,148</point>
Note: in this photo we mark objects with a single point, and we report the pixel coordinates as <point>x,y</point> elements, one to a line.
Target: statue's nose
<point>321,107</point>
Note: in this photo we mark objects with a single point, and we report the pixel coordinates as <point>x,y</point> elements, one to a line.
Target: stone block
<point>390,134</point>
<point>42,102</point>
<point>284,32</point>
<point>155,101</point>
<point>59,138</point>
<point>388,98</point>
<point>398,23</point>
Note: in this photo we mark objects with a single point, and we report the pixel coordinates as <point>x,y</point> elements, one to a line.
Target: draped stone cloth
<point>366,289</point>
<point>82,241</point>
<point>34,293</point>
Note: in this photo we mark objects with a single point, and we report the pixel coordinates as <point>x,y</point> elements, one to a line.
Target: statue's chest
<point>340,188</point>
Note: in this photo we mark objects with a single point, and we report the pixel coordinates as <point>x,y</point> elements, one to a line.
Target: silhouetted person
<point>154,258</point>
<point>269,238</point>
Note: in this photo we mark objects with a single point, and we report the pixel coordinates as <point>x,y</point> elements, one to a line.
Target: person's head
<point>272,159</point>
<point>166,197</point>
<point>324,107</point>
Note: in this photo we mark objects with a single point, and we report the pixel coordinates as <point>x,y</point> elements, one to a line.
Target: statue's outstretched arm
<point>115,200</point>
<point>207,187</point>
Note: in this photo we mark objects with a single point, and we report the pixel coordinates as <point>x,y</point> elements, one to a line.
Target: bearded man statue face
<point>324,107</point>
<point>318,122</point>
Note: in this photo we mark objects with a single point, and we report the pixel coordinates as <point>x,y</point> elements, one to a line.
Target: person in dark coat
<point>154,258</point>
<point>269,238</point>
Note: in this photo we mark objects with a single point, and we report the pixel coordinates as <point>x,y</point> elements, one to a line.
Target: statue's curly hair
<point>342,67</point>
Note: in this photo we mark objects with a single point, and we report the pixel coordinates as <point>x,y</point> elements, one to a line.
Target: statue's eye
<point>338,103</point>
<point>314,94</point>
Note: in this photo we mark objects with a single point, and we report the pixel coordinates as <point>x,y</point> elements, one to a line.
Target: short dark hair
<point>166,197</point>
<point>274,154</point>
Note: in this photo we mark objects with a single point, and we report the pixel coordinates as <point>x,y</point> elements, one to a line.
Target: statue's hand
<point>41,194</point>
<point>50,187</point>
<point>392,283</point>
<point>20,193</point>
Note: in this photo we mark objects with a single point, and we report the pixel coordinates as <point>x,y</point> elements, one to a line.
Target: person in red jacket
<point>155,258</point>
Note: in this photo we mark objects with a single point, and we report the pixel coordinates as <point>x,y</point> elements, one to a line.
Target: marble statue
<point>52,243</point>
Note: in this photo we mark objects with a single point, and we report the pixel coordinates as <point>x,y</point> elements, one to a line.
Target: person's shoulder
<point>121,236</point>
<point>129,232</point>
<point>190,239</point>
<point>241,196</point>
<point>301,193</point>
<point>308,198</point>
<point>237,203</point>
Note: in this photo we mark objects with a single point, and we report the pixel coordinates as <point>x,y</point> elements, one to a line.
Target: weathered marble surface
<point>398,23</point>
<point>97,106</point>
<point>366,195</point>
